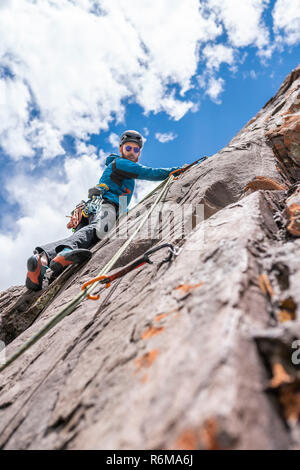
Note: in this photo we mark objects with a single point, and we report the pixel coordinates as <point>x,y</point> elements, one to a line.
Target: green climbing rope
<point>70,307</point>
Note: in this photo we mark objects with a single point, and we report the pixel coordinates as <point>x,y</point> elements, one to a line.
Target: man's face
<point>131,154</point>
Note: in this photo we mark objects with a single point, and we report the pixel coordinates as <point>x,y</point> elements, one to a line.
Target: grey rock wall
<point>193,354</point>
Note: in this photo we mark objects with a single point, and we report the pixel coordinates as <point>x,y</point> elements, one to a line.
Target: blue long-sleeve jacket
<point>120,174</point>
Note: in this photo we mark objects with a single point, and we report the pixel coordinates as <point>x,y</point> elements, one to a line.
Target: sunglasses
<point>135,149</point>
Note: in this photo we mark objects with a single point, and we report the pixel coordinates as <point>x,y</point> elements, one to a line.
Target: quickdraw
<point>92,206</point>
<point>107,280</point>
<point>86,208</point>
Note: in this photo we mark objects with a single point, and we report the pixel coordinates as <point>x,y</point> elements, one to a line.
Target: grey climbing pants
<point>88,232</point>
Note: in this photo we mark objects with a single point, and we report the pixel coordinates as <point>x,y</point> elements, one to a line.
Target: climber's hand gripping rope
<point>177,173</point>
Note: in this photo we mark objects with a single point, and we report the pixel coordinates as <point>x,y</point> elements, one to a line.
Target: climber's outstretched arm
<point>135,170</point>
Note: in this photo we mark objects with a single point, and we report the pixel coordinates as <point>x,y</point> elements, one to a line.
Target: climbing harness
<point>71,306</point>
<point>107,280</point>
<point>87,208</point>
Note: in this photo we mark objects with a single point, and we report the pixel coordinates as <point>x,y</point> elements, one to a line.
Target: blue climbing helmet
<point>131,136</point>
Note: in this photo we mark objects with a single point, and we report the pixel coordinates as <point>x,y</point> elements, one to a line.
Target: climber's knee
<point>106,219</point>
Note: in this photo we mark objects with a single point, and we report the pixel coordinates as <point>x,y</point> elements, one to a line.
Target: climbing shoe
<point>67,257</point>
<point>36,268</point>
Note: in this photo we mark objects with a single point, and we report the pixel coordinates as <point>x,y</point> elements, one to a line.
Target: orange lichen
<point>289,398</point>
<point>288,310</point>
<point>262,182</point>
<point>146,360</point>
<point>145,378</point>
<point>207,437</point>
<point>285,139</point>
<point>209,433</point>
<point>187,440</point>
<point>285,315</point>
<point>280,171</point>
<point>293,121</point>
<point>288,128</point>
<point>289,304</point>
<point>280,376</point>
<point>152,331</point>
<point>293,209</point>
<point>187,287</point>
<point>265,285</point>
<point>294,195</point>
<point>293,212</point>
<point>161,316</point>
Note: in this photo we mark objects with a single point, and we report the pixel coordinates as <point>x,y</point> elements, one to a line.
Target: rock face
<point>198,353</point>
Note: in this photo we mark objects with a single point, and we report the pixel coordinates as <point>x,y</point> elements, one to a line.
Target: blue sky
<point>213,125</point>
<point>188,77</point>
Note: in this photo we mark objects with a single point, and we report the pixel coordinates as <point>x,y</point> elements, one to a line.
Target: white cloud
<point>76,62</point>
<point>102,154</point>
<point>14,97</point>
<point>43,211</point>
<point>83,149</point>
<point>70,61</point>
<point>217,54</point>
<point>252,74</point>
<point>44,136</point>
<point>286,17</point>
<point>165,137</point>
<point>215,88</point>
<point>242,21</point>
<point>233,69</point>
<point>114,140</point>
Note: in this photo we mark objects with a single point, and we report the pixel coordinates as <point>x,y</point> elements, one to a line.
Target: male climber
<point>119,176</point>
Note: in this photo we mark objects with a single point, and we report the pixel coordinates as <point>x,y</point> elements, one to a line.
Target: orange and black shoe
<point>67,257</point>
<point>36,270</point>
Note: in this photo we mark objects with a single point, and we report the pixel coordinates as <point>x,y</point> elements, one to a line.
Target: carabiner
<point>179,171</point>
<point>160,247</point>
<point>107,280</point>
<point>92,281</point>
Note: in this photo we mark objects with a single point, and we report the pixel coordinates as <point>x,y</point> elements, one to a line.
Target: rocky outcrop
<point>293,211</point>
<point>198,353</point>
<point>283,128</point>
